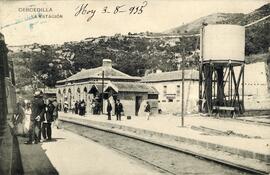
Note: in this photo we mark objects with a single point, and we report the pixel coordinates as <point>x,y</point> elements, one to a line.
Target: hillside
<point>257,35</point>
<point>194,27</point>
<point>222,18</point>
<point>36,65</point>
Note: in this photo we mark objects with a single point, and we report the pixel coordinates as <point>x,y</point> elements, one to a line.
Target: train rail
<point>166,158</point>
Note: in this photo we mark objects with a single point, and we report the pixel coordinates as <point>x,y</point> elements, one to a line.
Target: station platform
<point>243,143</point>
<point>257,119</point>
<point>70,154</point>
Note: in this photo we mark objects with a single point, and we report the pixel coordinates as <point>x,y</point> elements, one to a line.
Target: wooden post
<point>243,85</point>
<point>200,87</point>
<point>201,70</point>
<point>183,88</point>
<point>102,91</point>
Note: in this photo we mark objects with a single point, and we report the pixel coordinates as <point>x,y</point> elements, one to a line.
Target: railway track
<point>167,159</point>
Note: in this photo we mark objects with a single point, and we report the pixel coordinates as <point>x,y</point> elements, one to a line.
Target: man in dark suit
<point>48,119</point>
<point>118,109</point>
<point>37,116</point>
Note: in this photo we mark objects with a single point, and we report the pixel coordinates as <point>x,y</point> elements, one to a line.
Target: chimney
<point>107,63</point>
<point>158,71</point>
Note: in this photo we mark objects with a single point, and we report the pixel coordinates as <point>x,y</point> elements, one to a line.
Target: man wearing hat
<point>118,109</point>
<point>37,116</point>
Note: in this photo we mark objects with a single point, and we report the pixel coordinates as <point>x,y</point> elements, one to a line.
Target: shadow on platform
<point>53,140</point>
<point>34,159</point>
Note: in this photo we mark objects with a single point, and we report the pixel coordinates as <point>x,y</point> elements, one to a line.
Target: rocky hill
<point>194,27</point>
<point>257,35</point>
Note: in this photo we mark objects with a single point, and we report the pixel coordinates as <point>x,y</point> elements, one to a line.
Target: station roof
<point>131,87</point>
<point>48,90</point>
<point>171,76</point>
<point>96,73</point>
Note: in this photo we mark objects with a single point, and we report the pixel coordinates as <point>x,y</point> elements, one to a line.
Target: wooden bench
<point>225,108</point>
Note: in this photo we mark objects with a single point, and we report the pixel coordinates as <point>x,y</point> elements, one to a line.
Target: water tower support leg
<point>208,71</point>
<point>220,88</point>
<point>236,97</point>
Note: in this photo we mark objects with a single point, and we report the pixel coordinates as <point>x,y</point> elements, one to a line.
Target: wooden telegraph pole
<point>183,87</point>
<point>102,91</point>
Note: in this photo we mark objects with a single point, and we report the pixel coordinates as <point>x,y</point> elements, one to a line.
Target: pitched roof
<point>131,87</point>
<point>96,73</point>
<point>171,76</point>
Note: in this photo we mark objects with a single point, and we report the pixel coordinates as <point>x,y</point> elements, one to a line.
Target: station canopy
<point>117,87</point>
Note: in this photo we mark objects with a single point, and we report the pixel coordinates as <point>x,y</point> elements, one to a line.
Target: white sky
<point>158,16</point>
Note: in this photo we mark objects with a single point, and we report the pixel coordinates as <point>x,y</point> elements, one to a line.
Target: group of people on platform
<point>79,107</point>
<point>34,119</point>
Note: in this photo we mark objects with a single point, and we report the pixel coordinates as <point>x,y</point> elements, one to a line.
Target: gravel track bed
<point>166,160</point>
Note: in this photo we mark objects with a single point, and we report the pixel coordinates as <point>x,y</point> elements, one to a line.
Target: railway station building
<point>169,87</point>
<point>96,85</point>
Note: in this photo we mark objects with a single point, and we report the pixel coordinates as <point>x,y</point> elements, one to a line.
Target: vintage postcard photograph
<point>125,87</point>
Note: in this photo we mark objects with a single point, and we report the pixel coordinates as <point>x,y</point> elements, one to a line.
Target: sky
<point>20,27</point>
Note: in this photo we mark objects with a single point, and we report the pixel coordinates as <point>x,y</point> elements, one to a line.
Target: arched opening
<point>59,99</point>
<point>64,94</point>
<point>85,93</point>
<point>85,97</point>
<point>78,93</point>
<point>69,97</point>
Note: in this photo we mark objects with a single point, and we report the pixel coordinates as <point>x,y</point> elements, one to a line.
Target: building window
<point>170,100</point>
<point>163,100</point>
<point>152,96</point>
<point>164,90</point>
<point>178,91</point>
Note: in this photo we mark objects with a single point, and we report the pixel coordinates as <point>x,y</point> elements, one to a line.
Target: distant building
<point>49,93</point>
<point>87,85</point>
<point>169,87</point>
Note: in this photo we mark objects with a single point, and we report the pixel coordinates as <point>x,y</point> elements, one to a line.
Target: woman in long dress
<point>27,113</point>
<point>18,119</point>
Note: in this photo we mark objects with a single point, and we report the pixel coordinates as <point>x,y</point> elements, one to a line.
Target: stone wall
<point>256,86</point>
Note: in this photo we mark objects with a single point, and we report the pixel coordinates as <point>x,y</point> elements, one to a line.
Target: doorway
<point>138,102</point>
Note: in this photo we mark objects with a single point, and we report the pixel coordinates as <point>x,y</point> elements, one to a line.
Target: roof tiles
<point>171,76</point>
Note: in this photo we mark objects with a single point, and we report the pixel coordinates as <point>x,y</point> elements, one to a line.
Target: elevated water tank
<point>223,42</point>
